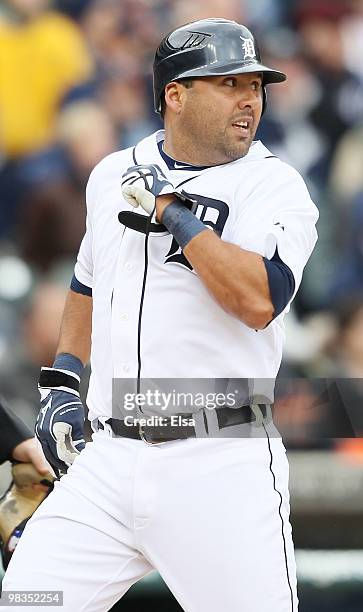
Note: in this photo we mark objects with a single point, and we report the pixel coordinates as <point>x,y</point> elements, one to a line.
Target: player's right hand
<point>142,184</point>
<point>60,423</point>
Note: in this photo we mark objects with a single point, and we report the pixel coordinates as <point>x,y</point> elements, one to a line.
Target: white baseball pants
<point>211,515</point>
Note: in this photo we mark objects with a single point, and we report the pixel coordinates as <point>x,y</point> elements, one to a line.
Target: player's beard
<point>233,147</point>
<point>224,146</point>
<point>212,142</point>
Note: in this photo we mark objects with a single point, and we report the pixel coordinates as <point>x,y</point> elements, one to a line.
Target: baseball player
<point>195,245</point>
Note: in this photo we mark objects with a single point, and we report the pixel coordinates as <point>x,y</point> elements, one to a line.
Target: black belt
<point>179,427</point>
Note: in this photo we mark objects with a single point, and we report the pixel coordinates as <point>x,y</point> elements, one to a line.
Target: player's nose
<point>246,97</point>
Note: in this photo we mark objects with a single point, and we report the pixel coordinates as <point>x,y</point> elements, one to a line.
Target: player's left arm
<point>236,278</point>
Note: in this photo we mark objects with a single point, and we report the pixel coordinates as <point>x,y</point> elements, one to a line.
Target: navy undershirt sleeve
<point>281,282</point>
<point>79,287</point>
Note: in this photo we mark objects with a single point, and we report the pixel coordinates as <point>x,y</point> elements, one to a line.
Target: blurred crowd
<point>76,84</point>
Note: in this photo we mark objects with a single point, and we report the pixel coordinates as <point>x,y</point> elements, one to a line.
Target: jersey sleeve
<point>83,271</point>
<point>107,172</point>
<point>292,228</point>
<point>283,218</point>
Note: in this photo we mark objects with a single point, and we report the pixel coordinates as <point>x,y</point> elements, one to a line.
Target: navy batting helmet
<point>208,47</point>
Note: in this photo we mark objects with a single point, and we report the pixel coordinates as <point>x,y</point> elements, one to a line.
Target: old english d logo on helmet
<point>209,47</point>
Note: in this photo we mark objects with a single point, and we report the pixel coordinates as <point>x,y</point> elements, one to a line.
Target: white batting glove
<point>142,184</point>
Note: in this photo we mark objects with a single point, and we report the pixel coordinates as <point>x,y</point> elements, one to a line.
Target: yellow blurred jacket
<point>39,61</point>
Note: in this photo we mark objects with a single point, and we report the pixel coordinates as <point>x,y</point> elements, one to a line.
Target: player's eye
<point>256,85</point>
<point>230,82</point>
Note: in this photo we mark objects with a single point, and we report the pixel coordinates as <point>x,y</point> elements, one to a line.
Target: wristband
<point>66,361</point>
<point>64,375</point>
<point>182,223</point>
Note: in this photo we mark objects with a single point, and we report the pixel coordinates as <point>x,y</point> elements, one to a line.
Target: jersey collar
<point>173,164</point>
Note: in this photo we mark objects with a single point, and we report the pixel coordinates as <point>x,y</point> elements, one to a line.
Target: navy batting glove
<point>142,184</point>
<point>150,177</point>
<point>60,423</point>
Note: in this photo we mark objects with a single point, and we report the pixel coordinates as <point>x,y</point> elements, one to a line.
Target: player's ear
<point>174,96</point>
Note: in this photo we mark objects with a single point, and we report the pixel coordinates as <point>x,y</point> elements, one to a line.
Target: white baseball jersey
<point>258,203</point>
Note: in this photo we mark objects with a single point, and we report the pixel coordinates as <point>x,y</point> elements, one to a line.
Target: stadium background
<point>75,85</point>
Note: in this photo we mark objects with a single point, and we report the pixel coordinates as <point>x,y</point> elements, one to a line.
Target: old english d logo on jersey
<point>213,213</point>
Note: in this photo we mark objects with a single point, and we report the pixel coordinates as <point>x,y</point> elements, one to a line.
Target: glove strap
<point>59,380</point>
<point>184,197</point>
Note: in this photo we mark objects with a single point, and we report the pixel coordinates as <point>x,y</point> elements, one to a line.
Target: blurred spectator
<point>102,22</point>
<point>340,103</point>
<point>73,8</point>
<point>346,176</point>
<point>347,350</point>
<point>287,128</point>
<point>298,416</point>
<point>346,367</point>
<point>352,32</point>
<point>265,16</point>
<point>125,97</point>
<point>348,277</point>
<point>42,56</point>
<point>329,404</point>
<point>147,21</point>
<point>42,323</point>
<point>123,64</point>
<point>86,135</point>
<point>191,10</point>
<point>127,31</point>
<point>34,347</point>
